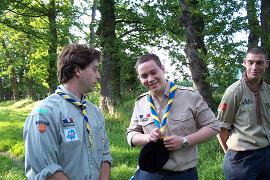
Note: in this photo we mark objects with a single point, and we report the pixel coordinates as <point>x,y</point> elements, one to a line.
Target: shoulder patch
<point>42,111</point>
<point>142,95</point>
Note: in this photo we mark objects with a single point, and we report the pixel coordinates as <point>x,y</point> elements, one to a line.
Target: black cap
<point>153,156</point>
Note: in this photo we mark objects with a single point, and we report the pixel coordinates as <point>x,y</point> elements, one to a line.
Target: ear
<point>163,68</point>
<point>267,63</point>
<point>77,72</point>
<point>244,63</point>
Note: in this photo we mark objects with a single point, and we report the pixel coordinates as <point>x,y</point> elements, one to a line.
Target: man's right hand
<point>58,176</point>
<point>154,135</point>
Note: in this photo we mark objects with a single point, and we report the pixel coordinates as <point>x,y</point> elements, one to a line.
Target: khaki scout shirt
<point>237,112</point>
<point>56,140</point>
<point>188,113</point>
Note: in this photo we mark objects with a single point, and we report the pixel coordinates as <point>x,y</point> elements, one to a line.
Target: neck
<point>73,88</point>
<point>159,94</point>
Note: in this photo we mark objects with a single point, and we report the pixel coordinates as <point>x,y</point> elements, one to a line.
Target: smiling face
<point>255,65</point>
<point>152,77</point>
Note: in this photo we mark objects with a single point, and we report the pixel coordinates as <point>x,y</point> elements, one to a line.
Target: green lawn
<point>13,114</point>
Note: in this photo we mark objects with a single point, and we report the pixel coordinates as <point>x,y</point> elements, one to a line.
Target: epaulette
<point>234,86</point>
<point>185,88</point>
<point>142,95</point>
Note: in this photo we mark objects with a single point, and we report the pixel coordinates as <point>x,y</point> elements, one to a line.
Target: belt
<point>169,172</point>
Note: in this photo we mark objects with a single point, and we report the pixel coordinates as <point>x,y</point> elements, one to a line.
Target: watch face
<point>185,142</point>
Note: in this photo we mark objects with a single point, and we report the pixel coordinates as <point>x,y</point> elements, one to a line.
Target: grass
<point>13,115</point>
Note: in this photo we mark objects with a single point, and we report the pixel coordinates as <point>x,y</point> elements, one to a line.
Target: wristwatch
<point>185,142</point>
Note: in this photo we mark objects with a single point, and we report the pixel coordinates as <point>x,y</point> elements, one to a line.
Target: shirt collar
<point>70,94</point>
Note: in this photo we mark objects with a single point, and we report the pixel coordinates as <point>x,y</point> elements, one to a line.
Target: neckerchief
<point>160,124</point>
<point>256,91</point>
<point>82,107</point>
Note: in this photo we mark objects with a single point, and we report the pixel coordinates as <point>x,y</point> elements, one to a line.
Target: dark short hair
<point>74,56</point>
<point>257,50</point>
<point>146,58</point>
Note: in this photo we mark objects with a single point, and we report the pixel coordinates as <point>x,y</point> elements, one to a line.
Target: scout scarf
<point>160,124</point>
<point>256,91</point>
<point>82,107</point>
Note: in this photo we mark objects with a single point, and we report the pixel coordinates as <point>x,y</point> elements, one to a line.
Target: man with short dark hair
<point>244,115</point>
<point>65,136</point>
<point>168,118</point>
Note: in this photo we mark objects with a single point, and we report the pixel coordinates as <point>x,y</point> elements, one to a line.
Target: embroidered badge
<point>223,106</point>
<point>42,126</point>
<point>68,122</point>
<point>42,111</point>
<point>144,118</point>
<point>247,101</point>
<point>70,134</point>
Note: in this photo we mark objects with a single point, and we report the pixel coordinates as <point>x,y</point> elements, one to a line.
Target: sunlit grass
<point>13,115</point>
<point>10,170</point>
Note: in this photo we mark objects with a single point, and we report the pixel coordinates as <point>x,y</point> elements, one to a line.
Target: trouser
<point>189,174</point>
<point>247,165</point>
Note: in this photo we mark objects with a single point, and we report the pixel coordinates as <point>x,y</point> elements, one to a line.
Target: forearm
<point>222,138</point>
<point>105,171</point>
<point>140,139</point>
<point>201,135</point>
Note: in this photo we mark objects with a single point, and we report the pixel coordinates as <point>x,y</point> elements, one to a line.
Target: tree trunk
<point>195,49</point>
<point>52,51</point>
<point>265,22</point>
<point>92,25</point>
<point>110,83</point>
<point>1,89</point>
<point>253,24</point>
<point>12,73</point>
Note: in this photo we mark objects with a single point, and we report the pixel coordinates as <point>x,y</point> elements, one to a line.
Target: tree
<point>253,24</point>
<point>265,23</point>
<point>110,83</point>
<point>195,49</point>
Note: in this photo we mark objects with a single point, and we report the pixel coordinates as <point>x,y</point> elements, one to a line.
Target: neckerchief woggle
<point>82,107</point>
<point>160,124</point>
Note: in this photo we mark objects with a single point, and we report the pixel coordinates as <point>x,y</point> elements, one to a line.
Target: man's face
<point>152,76</point>
<point>255,65</point>
<point>89,76</point>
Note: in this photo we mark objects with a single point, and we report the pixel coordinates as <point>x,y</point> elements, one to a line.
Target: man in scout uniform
<point>177,115</point>
<point>244,115</point>
<point>65,135</point>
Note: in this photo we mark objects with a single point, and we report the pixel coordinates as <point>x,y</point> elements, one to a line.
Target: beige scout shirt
<point>188,113</point>
<point>237,112</point>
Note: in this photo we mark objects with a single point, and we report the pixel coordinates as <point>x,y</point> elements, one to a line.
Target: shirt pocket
<point>181,124</point>
<point>99,138</point>
<point>148,126</point>
<point>247,115</point>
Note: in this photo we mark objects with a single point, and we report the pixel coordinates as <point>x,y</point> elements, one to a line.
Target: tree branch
<point>134,30</point>
<point>21,29</point>
<point>127,21</point>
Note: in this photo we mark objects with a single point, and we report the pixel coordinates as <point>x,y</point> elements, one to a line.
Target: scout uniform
<point>248,120</point>
<point>237,112</point>
<point>56,139</point>
<point>188,113</point>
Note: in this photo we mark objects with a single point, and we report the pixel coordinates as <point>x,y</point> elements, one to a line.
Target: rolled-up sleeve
<point>106,152</point>
<point>134,127</point>
<point>205,116</point>
<point>41,135</point>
